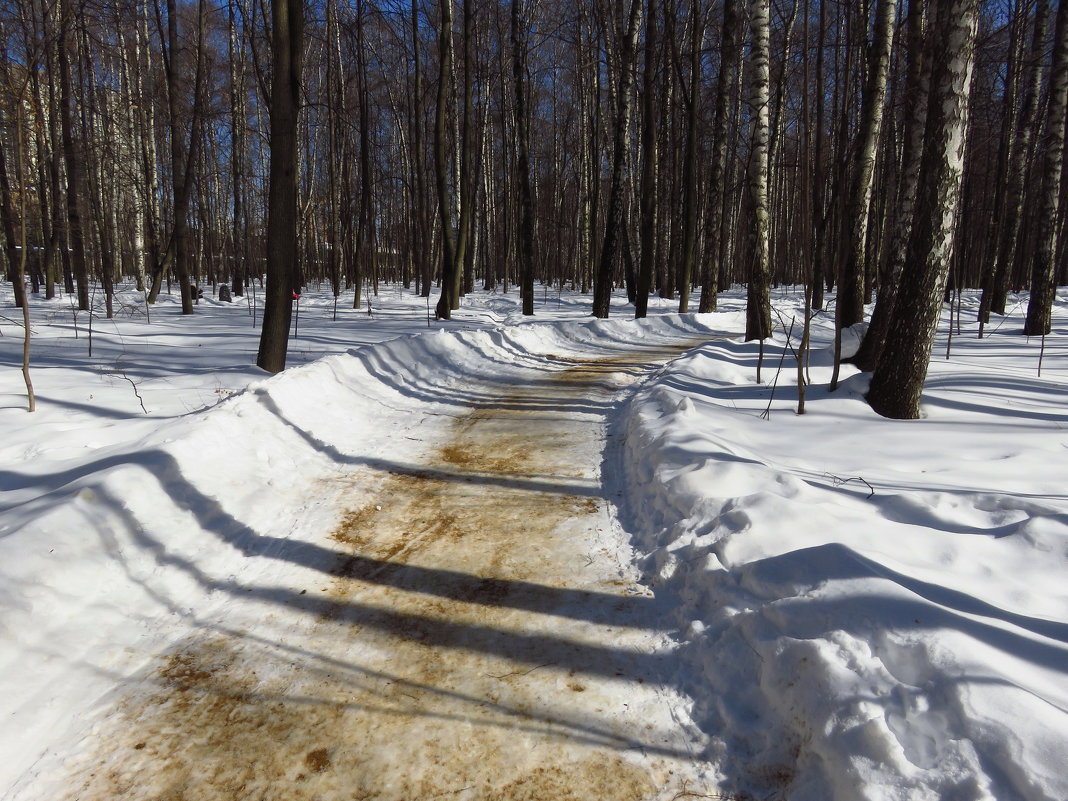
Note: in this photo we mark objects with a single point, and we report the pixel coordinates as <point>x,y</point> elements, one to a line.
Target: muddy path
<point>477,635</point>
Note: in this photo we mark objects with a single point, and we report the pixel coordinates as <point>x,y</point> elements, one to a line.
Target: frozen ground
<point>209,579</point>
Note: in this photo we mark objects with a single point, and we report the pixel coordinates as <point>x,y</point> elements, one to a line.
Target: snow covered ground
<point>865,609</point>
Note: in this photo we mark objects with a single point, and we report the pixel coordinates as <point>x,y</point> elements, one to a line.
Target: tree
<point>758,295</point>
<point>647,194</point>
<point>183,147</point>
<point>728,65</point>
<point>443,310</point>
<point>1011,220</point>
<point>603,279</point>
<point>898,379</point>
<point>287,43</point>
<point>75,162</point>
<point>917,88</point>
<point>526,195</point>
<point>689,168</point>
<point>1043,286</point>
<point>854,268</point>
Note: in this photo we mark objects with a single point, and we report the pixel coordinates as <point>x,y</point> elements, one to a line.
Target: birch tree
<point>758,295</point>
<point>854,268</point>
<point>917,88</point>
<point>898,379</point>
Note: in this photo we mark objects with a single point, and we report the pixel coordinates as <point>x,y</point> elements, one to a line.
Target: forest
<point>867,150</point>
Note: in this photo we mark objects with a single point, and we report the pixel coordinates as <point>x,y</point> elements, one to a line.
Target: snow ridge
<point>865,612</point>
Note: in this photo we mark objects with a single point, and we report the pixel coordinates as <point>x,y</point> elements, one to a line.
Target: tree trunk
<point>603,280</point>
<point>689,167</point>
<point>917,91</point>
<point>854,268</point>
<point>995,289</point>
<point>181,162</point>
<point>758,296</point>
<point>898,379</point>
<point>718,213</point>
<point>647,195</point>
<point>444,306</point>
<point>74,160</point>
<point>522,124</point>
<point>287,21</point>
<point>1043,279</point>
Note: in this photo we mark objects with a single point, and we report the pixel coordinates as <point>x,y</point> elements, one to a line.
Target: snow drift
<point>870,609</point>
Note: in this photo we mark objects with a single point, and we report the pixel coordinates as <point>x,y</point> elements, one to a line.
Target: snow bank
<point>870,609</point>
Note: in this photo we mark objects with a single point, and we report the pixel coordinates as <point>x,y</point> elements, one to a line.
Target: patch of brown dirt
<point>592,778</point>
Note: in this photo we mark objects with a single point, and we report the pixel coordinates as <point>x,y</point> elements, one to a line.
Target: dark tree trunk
<point>526,196</point>
<point>74,161</point>
<point>995,290</point>
<point>287,18</point>
<point>1043,278</point>
<point>441,166</point>
<point>689,167</point>
<point>718,212</point>
<point>603,279</point>
<point>647,198</point>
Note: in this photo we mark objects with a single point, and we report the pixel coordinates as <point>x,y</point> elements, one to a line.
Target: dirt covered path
<point>477,634</point>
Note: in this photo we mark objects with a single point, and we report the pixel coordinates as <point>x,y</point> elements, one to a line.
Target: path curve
<point>480,634</point>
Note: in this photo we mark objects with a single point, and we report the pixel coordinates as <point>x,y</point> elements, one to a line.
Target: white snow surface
<point>865,608</point>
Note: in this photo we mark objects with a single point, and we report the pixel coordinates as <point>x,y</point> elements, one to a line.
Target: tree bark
<point>758,295</point>
<point>287,25</point>
<point>995,289</point>
<point>526,195</point>
<point>689,168</point>
<point>74,160</point>
<point>917,91</point>
<point>603,280</point>
<point>647,196</point>
<point>718,214</point>
<point>897,382</point>
<point>1043,279</point>
<point>854,268</point>
<point>443,310</point>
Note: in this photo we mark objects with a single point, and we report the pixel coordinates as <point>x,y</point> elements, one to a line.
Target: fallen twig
<point>838,481</point>
<point>120,373</point>
<point>453,792</point>
<point>519,672</point>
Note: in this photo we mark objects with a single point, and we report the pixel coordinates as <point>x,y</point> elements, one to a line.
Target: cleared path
<point>478,635</point>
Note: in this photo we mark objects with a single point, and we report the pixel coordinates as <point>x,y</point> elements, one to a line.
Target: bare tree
<point>287,45</point>
<point>758,296</point>
<point>441,168</point>
<point>1043,286</point>
<point>728,65</point>
<point>604,277</point>
<point>854,268</point>
<point>898,379</point>
<point>522,124</point>
<point>917,89</point>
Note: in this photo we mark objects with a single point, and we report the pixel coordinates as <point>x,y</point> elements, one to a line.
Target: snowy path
<point>475,632</point>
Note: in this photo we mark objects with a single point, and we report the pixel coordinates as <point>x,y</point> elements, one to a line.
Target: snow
<point>875,608</point>
<point>858,608</point>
